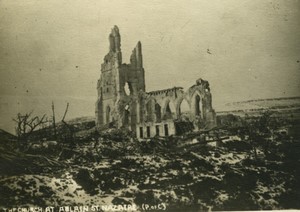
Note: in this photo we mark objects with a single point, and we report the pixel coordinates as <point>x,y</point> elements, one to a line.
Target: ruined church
<point>123,101</point>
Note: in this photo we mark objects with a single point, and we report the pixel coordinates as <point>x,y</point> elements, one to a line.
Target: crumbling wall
<point>107,85</point>
<point>151,129</point>
<point>114,104</point>
<point>196,94</point>
<point>122,98</point>
<point>155,108</point>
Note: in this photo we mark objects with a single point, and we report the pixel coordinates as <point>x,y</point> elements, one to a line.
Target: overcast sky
<point>52,50</point>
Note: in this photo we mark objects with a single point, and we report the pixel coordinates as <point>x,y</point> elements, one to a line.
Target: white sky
<point>254,47</point>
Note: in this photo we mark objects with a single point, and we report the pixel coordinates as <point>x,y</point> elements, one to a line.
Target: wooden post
<point>53,118</point>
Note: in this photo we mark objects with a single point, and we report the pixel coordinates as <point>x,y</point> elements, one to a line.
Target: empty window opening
<point>128,88</point>
<point>166,130</point>
<point>157,130</point>
<point>148,131</point>
<point>198,106</point>
<point>141,132</point>
<point>158,112</point>
<point>184,110</point>
<point>184,107</point>
<point>169,111</point>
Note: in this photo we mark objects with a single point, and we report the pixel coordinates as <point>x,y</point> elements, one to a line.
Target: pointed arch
<point>169,109</point>
<point>150,107</point>
<point>196,104</point>
<point>128,90</point>
<point>184,108</point>
<point>157,109</point>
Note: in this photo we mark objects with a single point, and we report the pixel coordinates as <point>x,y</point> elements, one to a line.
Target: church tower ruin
<point>119,85</point>
<point>124,103</point>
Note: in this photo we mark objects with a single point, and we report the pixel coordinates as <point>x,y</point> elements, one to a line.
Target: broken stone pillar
<point>136,58</point>
<point>115,40</point>
<point>139,56</point>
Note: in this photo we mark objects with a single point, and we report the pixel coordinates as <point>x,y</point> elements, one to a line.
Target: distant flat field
<point>283,106</point>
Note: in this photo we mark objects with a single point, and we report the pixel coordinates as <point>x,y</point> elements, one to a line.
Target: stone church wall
<point>124,102</point>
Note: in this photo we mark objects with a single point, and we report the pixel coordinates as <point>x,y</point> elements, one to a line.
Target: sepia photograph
<point>138,105</point>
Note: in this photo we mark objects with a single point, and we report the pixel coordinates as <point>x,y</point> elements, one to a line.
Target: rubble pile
<point>106,171</point>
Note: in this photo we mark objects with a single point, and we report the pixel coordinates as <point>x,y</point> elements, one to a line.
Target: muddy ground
<point>196,177</point>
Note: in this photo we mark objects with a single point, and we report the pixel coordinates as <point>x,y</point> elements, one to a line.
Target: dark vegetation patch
<point>258,172</point>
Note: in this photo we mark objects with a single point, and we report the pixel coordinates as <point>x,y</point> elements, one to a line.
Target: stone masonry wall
<point>123,101</point>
